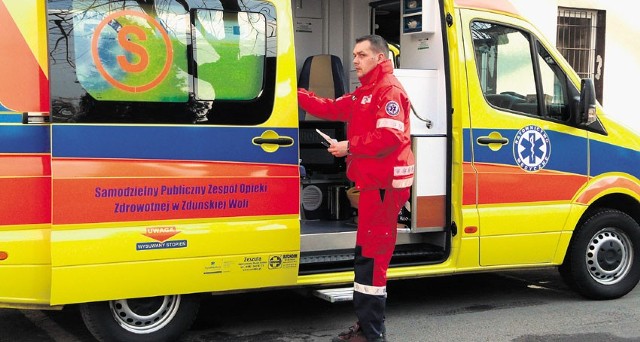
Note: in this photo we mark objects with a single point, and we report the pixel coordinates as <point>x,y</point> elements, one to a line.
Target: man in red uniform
<point>381,163</point>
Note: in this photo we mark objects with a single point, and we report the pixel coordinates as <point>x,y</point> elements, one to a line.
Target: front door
<point>529,158</point>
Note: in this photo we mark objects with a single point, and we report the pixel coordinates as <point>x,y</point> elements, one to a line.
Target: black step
<point>342,260</point>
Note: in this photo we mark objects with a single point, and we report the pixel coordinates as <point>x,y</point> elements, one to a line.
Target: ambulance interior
<point>325,32</point>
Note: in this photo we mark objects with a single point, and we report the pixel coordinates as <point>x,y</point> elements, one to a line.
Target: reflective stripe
<point>403,170</point>
<point>402,183</point>
<point>370,290</point>
<point>390,123</point>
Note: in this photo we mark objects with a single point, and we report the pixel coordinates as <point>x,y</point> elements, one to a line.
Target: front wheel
<point>162,318</point>
<point>602,260</point>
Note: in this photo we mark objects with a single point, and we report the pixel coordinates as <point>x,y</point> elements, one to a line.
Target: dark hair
<point>378,44</point>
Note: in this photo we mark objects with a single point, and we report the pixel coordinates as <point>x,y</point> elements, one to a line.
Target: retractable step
<point>344,294</point>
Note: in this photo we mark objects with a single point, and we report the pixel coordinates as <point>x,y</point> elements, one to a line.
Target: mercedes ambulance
<point>153,151</point>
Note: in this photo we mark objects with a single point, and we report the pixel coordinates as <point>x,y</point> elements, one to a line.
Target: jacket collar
<point>386,67</point>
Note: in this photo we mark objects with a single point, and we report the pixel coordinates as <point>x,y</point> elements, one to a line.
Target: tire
<point>602,260</point>
<point>163,318</point>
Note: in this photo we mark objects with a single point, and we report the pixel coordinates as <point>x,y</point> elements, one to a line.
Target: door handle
<point>494,141</point>
<point>270,141</point>
<point>489,140</point>
<point>283,141</point>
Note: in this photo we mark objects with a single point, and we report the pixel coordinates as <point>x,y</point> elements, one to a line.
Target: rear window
<point>166,61</point>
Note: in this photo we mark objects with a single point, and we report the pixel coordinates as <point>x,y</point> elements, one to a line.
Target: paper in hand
<point>330,140</point>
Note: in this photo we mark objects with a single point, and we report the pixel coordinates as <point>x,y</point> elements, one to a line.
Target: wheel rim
<point>145,315</point>
<point>609,256</point>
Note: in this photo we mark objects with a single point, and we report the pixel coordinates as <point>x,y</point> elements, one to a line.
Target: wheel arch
<point>626,200</point>
<point>623,201</point>
<point>618,191</point>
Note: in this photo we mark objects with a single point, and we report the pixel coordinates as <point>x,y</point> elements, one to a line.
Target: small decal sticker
<point>275,261</point>
<point>162,236</point>
<point>392,108</point>
<point>531,148</point>
<point>283,261</point>
<point>143,246</point>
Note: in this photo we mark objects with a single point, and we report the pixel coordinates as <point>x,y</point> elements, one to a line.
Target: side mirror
<point>587,104</point>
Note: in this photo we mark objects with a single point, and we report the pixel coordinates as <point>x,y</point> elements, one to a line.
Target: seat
<point>323,75</point>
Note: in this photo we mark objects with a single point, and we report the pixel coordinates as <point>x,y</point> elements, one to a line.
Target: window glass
<point>554,86</point>
<point>505,67</point>
<point>131,52</point>
<point>229,53</point>
<point>162,61</point>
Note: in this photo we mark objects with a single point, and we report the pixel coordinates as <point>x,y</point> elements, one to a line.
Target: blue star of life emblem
<point>531,148</point>
<point>392,108</point>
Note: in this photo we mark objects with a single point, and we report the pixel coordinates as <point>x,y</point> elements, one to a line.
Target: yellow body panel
<point>286,81</point>
<point>215,255</point>
<point>25,13</point>
<point>26,273</point>
<point>545,218</point>
<point>517,249</point>
<point>130,242</point>
<point>174,275</point>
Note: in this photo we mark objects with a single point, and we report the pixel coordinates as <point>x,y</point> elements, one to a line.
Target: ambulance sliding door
<point>175,167</point>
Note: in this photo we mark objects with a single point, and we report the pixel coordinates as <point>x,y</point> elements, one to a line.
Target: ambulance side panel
<point>25,172</point>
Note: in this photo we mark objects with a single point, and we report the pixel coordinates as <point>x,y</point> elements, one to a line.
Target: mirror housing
<point>587,104</point>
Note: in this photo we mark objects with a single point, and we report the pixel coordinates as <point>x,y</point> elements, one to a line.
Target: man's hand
<point>339,149</point>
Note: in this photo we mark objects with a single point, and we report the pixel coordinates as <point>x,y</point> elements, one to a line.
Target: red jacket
<point>377,116</point>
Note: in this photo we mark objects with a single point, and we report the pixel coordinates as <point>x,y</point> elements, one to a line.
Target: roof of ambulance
<point>492,5</point>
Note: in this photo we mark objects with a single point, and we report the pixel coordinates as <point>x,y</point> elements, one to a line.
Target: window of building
<point>580,39</point>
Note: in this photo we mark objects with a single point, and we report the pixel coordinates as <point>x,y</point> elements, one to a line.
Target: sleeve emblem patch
<point>392,108</point>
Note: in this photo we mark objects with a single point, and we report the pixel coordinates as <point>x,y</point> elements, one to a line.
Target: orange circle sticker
<point>123,39</point>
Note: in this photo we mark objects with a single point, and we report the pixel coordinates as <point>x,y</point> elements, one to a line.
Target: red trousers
<point>375,241</point>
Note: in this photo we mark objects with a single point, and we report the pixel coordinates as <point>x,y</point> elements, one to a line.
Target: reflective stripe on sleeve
<point>403,170</point>
<point>370,290</point>
<point>402,183</point>
<point>390,123</point>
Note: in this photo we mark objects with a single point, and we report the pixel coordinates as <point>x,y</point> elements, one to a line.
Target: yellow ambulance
<point>153,151</point>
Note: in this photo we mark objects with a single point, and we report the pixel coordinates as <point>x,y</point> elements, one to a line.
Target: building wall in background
<point>622,50</point>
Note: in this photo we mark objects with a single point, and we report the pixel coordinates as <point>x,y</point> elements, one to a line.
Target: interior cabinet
<point>418,16</point>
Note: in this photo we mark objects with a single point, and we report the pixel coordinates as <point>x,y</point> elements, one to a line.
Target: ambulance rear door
<point>25,171</point>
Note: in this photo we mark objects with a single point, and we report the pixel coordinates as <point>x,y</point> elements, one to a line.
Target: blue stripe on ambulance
<point>610,158</point>
<point>10,117</point>
<point>24,139</point>
<point>204,143</point>
<point>561,159</point>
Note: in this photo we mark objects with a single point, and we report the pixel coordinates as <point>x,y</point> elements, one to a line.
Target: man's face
<point>365,59</point>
